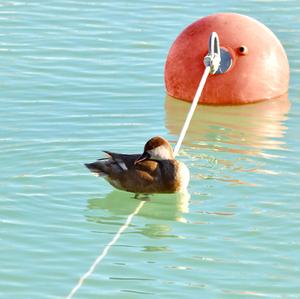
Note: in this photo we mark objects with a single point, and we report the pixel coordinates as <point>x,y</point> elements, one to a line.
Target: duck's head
<point>157,148</point>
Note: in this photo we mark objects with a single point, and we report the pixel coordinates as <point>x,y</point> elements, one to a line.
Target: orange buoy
<point>254,61</point>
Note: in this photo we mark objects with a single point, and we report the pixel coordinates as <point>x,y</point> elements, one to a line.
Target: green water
<point>81,76</point>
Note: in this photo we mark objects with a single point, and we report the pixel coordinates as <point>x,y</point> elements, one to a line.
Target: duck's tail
<point>98,168</point>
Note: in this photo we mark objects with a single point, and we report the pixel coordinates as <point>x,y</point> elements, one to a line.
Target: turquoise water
<point>81,76</point>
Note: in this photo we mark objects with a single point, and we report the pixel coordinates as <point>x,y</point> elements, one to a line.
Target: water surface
<point>81,76</point>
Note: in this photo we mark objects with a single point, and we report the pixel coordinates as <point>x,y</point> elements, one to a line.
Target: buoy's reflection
<point>247,129</point>
<point>159,206</point>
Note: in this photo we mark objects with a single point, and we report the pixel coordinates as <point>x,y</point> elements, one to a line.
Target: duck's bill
<point>141,158</point>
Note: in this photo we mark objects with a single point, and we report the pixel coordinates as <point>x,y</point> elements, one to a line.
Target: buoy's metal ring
<point>213,58</point>
<point>219,60</point>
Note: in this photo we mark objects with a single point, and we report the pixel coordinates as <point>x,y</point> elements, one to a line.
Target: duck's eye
<point>141,158</point>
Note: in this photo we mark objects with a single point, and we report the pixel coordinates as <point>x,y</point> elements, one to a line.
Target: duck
<point>154,171</point>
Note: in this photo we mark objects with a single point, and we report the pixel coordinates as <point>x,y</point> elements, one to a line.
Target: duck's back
<point>148,176</point>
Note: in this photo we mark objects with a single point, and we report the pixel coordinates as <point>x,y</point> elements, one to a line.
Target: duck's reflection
<point>117,204</point>
<point>157,206</point>
<point>247,129</point>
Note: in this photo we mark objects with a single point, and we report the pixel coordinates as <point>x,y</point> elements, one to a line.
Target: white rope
<point>212,62</point>
<point>105,250</point>
<point>192,109</point>
<point>138,208</point>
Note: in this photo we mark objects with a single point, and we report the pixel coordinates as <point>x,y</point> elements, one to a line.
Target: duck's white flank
<point>184,176</point>
<point>122,165</point>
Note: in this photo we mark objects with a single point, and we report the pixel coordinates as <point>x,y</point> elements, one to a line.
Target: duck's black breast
<point>162,172</point>
<point>168,170</point>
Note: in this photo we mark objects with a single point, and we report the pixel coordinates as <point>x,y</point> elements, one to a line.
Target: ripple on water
<point>78,77</point>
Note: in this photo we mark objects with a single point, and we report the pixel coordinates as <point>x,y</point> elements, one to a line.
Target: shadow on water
<point>158,206</point>
<point>246,129</point>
